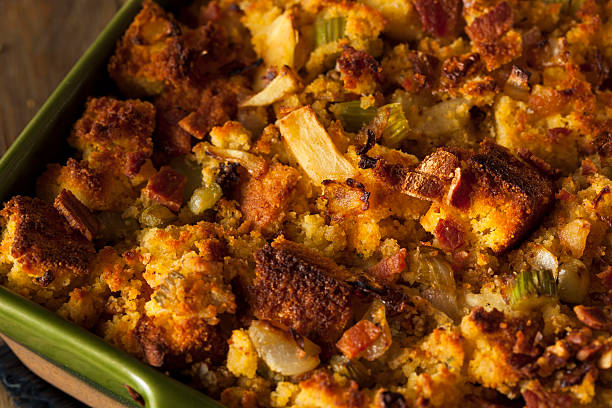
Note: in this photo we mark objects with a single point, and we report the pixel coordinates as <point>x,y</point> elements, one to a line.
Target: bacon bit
<point>588,168</point>
<point>389,399</point>
<point>565,195</point>
<point>603,143</point>
<point>391,174</point>
<point>388,270</point>
<point>492,25</point>
<point>439,17</point>
<point>558,134</point>
<point>460,189</point>
<point>423,186</point>
<point>358,338</point>
<point>345,199</point>
<point>78,216</point>
<point>606,276</point>
<point>354,64</point>
<point>458,67</point>
<point>592,317</point>
<point>151,340</point>
<point>536,162</point>
<point>166,188</point>
<point>449,234</point>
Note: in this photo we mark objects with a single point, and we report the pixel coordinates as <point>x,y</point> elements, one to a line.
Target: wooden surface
<point>40,40</point>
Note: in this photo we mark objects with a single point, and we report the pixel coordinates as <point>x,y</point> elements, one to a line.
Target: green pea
<point>156,216</point>
<point>191,170</point>
<point>204,198</point>
<point>574,279</point>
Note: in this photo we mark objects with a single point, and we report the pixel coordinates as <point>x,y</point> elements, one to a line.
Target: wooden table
<point>40,40</point>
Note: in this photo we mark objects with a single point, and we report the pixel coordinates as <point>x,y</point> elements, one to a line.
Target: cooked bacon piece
<point>358,338</point>
<point>439,17</point>
<point>166,188</point>
<point>264,200</point>
<point>538,397</point>
<point>425,67</point>
<point>492,25</point>
<point>460,189</point>
<point>388,270</point>
<point>587,167</point>
<point>593,317</point>
<point>557,134</point>
<point>298,288</point>
<point>536,161</point>
<point>449,234</point>
<point>78,216</point>
<point>42,242</point>
<point>359,70</point>
<point>345,199</point>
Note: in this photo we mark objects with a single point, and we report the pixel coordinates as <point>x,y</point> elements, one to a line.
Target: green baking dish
<point>66,345</point>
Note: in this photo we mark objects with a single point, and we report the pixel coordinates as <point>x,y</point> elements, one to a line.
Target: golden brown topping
<point>166,188</point>
<point>264,200</point>
<point>359,70</point>
<point>115,134</point>
<point>323,390</point>
<point>43,242</point>
<point>78,216</point>
<point>345,199</point>
<point>296,288</point>
<point>457,68</point>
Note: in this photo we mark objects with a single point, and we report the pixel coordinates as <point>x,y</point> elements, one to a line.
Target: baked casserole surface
<point>376,203</point>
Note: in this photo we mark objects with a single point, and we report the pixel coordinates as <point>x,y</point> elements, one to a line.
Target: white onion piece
<point>544,260</point>
<point>573,236</point>
<point>281,352</point>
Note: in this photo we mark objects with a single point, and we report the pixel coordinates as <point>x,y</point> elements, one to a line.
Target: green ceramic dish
<point>62,343</point>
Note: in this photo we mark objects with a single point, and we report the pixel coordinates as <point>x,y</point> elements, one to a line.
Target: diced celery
<point>328,30</point>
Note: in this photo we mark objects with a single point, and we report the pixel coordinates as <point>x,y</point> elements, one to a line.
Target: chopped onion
<point>574,280</point>
<point>573,236</point>
<point>281,352</point>
<point>544,260</point>
<point>255,165</point>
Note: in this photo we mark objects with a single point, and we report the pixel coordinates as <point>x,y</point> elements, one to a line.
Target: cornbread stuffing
<point>333,203</point>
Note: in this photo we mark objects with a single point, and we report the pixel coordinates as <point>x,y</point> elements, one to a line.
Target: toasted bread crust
<point>43,241</point>
<point>292,290</point>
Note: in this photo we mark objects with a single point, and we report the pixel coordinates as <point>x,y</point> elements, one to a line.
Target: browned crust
<point>115,134</point>
<point>358,66</point>
<point>293,290</point>
<point>43,241</point>
<point>264,200</point>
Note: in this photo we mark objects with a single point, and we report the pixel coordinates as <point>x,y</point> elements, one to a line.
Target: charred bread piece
<point>297,288</point>
<point>490,197</point>
<point>41,244</point>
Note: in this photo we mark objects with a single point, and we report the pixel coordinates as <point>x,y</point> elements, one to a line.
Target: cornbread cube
<point>115,135</point>
<point>97,189</point>
<point>44,257</point>
<point>149,54</point>
<point>297,288</point>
